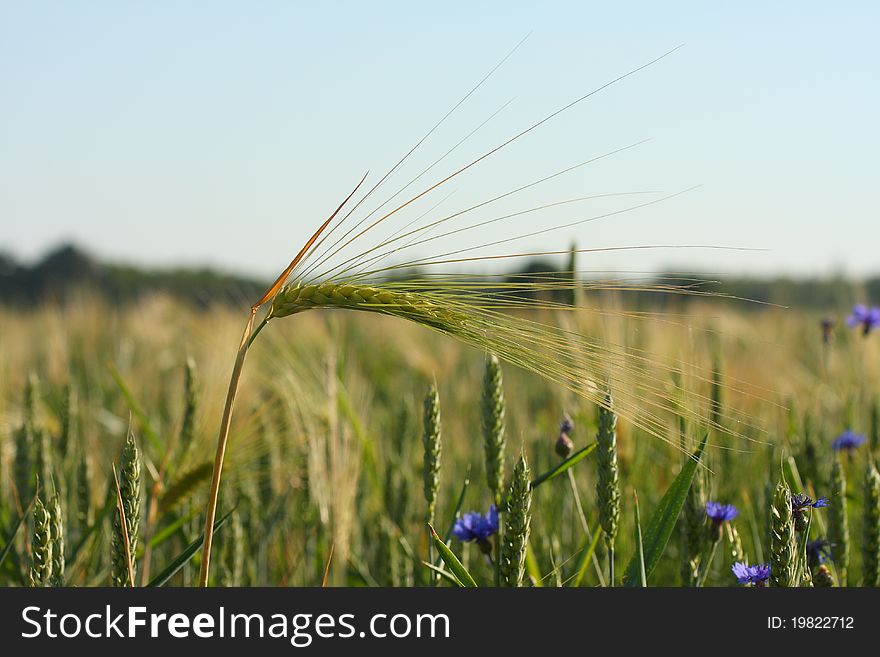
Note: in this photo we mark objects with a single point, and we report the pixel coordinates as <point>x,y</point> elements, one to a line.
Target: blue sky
<point>222,133</point>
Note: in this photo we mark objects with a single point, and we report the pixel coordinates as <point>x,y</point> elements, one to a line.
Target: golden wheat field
<point>327,450</point>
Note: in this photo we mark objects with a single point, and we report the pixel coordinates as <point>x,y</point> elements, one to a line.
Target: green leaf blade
<point>455,566</point>
<point>659,529</point>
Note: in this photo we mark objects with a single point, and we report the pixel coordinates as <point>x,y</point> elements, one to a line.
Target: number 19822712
<point>811,623</point>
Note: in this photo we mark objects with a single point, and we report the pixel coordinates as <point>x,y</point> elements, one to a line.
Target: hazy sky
<point>222,133</point>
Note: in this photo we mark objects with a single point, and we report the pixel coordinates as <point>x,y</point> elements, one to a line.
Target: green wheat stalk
<point>323,275</point>
<point>871,527</point>
<point>191,403</point>
<point>608,485</point>
<point>782,543</point>
<point>40,572</point>
<point>125,542</point>
<point>57,537</point>
<point>431,441</point>
<point>493,427</point>
<point>517,520</point>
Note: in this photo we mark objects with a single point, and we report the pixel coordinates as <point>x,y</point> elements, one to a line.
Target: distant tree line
<point>67,271</point>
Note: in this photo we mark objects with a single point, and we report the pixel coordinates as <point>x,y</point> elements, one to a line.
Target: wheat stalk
<point>323,276</point>
<point>871,527</point>
<point>517,520</point>
<point>432,444</point>
<point>57,533</point>
<point>126,521</point>
<point>492,414</point>
<point>40,572</point>
<point>608,484</point>
<point>782,543</point>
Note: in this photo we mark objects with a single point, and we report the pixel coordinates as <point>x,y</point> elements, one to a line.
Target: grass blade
<point>452,562</point>
<point>640,545</point>
<point>659,528</point>
<point>174,567</point>
<point>8,547</point>
<point>570,462</point>
<point>445,574</point>
<point>587,555</point>
<point>458,505</point>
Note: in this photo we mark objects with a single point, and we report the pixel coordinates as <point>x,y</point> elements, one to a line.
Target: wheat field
<point>329,467</point>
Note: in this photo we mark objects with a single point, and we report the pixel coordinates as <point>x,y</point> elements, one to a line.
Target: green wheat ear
<point>608,486</point>
<point>129,488</point>
<point>517,521</point>
<point>838,521</point>
<point>40,572</point>
<point>782,545</point>
<point>493,427</point>
<point>432,444</point>
<point>871,527</point>
<point>191,403</point>
<point>57,529</point>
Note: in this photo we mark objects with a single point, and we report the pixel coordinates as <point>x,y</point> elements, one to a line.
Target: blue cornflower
<point>799,501</point>
<point>867,318</point>
<point>818,551</point>
<point>799,504</point>
<point>477,527</point>
<point>848,440</point>
<point>756,575</point>
<point>719,513</point>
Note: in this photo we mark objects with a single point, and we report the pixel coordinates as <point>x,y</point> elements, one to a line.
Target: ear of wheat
<point>507,316</point>
<point>40,572</point>
<point>57,533</point>
<point>782,543</point>
<point>125,536</point>
<point>871,527</point>
<point>517,521</point>
<point>492,412</point>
